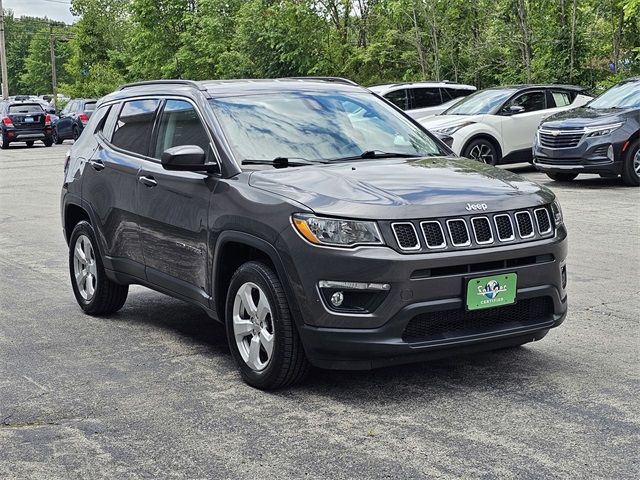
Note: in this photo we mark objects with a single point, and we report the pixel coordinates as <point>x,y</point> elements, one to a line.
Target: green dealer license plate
<point>493,291</point>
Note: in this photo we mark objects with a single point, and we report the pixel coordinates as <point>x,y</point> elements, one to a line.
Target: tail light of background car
<point>47,120</point>
<point>84,118</point>
<point>7,122</point>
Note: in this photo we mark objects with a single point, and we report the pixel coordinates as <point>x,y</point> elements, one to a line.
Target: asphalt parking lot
<point>152,392</point>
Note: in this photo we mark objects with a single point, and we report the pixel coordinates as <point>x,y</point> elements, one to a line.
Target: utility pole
<point>3,57</point>
<point>54,81</point>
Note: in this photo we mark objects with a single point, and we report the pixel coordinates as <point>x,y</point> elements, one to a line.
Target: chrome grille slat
<point>525,224</point>
<point>543,221</point>
<point>458,232</point>
<point>406,235</point>
<point>504,227</point>
<point>482,230</point>
<point>560,138</point>
<point>433,234</point>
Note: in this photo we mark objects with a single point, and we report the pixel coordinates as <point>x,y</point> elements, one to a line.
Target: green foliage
<point>481,42</point>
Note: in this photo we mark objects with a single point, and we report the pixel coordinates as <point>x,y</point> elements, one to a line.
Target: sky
<point>53,9</point>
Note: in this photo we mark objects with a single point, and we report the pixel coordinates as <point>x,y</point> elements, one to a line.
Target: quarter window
<point>135,123</point>
<point>399,98</point>
<point>180,125</point>
<point>561,99</point>
<point>426,97</point>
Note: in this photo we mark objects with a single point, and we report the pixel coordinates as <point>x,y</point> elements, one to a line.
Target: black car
<point>73,118</point>
<point>24,122</point>
<point>603,137</point>
<point>319,223</point>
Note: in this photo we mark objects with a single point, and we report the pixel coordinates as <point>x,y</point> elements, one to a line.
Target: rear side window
<point>561,99</point>
<point>457,92</point>
<point>426,97</point>
<point>89,106</point>
<point>399,98</point>
<point>180,125</point>
<point>133,128</point>
<point>29,108</point>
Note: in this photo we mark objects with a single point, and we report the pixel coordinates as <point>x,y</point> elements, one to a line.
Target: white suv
<point>423,99</point>
<point>498,125</point>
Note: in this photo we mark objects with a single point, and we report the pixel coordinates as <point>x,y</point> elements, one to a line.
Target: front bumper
<point>589,156</point>
<point>348,341</point>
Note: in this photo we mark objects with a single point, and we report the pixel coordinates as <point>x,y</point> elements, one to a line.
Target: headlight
<point>337,232</point>
<point>557,213</point>
<point>452,129</point>
<point>601,130</point>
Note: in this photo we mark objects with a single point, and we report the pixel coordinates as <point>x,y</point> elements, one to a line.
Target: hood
<point>586,117</point>
<point>401,188</point>
<point>443,121</point>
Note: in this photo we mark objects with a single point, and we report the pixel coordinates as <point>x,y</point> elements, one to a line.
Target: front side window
<point>133,128</point>
<point>399,98</point>
<point>318,126</point>
<point>180,125</point>
<point>426,97</point>
<point>530,101</point>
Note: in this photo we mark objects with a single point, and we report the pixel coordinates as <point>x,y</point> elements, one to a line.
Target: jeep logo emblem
<point>476,206</point>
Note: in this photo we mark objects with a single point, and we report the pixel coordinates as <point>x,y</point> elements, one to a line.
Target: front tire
<point>562,176</point>
<point>48,142</point>
<point>482,150</point>
<point>262,336</point>
<point>76,133</point>
<point>631,167</point>
<point>56,138</point>
<point>95,293</point>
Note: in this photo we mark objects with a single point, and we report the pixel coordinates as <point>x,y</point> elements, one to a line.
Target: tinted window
<point>426,97</point>
<point>531,101</point>
<point>99,117</point>
<point>457,92</point>
<point>133,128</point>
<point>26,108</point>
<point>399,98</point>
<point>107,126</point>
<point>180,125</point>
<point>560,99</point>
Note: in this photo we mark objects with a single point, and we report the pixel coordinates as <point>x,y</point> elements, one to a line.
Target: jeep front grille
<point>560,138</point>
<point>466,232</point>
<point>406,235</point>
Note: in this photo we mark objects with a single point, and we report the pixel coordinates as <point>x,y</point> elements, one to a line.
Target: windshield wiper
<point>378,154</point>
<point>282,162</point>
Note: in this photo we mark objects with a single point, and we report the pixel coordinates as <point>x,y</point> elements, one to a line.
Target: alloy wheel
<point>85,270</point>
<point>482,153</point>
<point>636,163</point>
<point>253,326</point>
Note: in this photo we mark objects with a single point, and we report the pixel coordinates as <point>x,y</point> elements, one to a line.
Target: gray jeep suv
<point>320,224</point>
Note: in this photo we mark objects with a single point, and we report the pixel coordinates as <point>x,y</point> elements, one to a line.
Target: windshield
<point>479,103</point>
<point>623,95</point>
<point>317,126</point>
<point>26,108</point>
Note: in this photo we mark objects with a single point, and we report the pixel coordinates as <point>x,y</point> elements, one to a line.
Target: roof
<point>436,84</point>
<point>524,86</point>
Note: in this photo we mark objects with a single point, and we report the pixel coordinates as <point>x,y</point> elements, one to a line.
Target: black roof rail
<point>346,81</point>
<point>190,83</point>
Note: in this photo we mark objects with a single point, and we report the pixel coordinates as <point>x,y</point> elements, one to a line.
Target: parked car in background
<point>24,122</point>
<point>497,125</point>
<point>603,137</point>
<point>423,99</point>
<point>73,119</point>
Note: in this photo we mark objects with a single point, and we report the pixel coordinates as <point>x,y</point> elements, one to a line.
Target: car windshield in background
<point>25,108</point>
<point>89,106</point>
<point>318,126</point>
<point>624,95</point>
<point>479,103</point>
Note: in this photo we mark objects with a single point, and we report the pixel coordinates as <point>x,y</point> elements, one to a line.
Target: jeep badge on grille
<point>476,206</point>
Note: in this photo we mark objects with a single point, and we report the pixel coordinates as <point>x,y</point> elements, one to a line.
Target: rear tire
<point>76,133</point>
<point>262,336</point>
<point>561,176</point>
<point>631,167</point>
<point>56,138</point>
<point>482,150</point>
<point>48,142</point>
<point>95,293</point>
<point>4,142</point>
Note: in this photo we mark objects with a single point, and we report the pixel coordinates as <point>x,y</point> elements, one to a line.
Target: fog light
<point>337,299</point>
<point>610,152</point>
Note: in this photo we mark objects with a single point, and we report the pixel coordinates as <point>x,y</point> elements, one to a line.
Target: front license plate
<point>492,291</point>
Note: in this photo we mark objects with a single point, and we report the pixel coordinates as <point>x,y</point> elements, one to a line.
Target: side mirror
<point>186,158</point>
<point>513,109</point>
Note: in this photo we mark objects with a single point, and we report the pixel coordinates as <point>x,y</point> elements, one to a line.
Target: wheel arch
<point>235,248</point>
<point>74,214</point>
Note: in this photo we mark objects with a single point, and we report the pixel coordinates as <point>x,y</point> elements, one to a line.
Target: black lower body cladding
<point>423,314</point>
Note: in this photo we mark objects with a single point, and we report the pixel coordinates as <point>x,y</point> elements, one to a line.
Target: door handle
<point>97,164</point>
<point>148,181</point>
